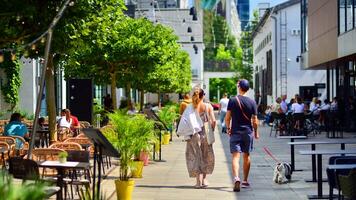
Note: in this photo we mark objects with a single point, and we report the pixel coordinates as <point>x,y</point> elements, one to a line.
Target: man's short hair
<point>243,84</point>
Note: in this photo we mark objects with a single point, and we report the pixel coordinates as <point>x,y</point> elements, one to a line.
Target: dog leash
<point>270,154</point>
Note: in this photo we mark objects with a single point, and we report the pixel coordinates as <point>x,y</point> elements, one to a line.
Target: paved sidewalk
<point>169,180</point>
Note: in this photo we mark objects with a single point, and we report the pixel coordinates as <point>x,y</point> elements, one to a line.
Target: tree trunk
<point>142,99</point>
<point>128,93</point>
<point>113,90</point>
<point>159,100</point>
<point>51,99</point>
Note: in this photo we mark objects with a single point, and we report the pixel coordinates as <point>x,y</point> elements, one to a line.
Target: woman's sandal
<point>197,186</point>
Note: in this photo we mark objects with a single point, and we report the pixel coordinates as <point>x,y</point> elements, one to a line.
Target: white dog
<point>282,171</point>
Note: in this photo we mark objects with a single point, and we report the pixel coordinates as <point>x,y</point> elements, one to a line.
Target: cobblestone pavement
<point>169,180</point>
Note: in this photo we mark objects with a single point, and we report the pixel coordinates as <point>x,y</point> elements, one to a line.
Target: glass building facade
<point>243,10</point>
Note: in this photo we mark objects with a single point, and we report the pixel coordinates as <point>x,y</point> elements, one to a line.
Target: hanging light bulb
<point>71,3</point>
<point>189,29</point>
<point>192,39</point>
<point>18,18</point>
<point>43,40</point>
<point>1,57</point>
<point>33,47</point>
<point>26,54</point>
<point>13,56</point>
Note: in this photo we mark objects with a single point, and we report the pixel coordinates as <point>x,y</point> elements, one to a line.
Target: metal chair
<point>75,175</point>
<point>347,185</point>
<point>28,170</point>
<point>332,174</point>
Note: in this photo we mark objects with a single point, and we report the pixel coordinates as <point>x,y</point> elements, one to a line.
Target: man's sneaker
<point>237,186</point>
<point>245,184</point>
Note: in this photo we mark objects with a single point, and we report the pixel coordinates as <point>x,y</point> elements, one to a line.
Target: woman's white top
<point>64,123</point>
<point>297,108</point>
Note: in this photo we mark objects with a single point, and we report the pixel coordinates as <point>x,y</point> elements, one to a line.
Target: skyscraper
<point>243,10</point>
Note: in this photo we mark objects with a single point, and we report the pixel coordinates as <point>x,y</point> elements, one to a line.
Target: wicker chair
<point>82,135</point>
<point>84,142</point>
<point>5,154</point>
<point>85,124</point>
<point>21,146</point>
<point>11,142</point>
<point>63,134</point>
<point>44,154</point>
<point>67,146</point>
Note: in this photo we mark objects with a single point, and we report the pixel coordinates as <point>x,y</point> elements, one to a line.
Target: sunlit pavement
<point>169,180</point>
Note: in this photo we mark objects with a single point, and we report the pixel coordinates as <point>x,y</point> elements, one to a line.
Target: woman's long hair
<point>197,97</point>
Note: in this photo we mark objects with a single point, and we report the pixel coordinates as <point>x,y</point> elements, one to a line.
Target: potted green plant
<point>62,156</point>
<point>168,115</point>
<point>129,135</point>
<point>146,138</point>
<point>11,190</point>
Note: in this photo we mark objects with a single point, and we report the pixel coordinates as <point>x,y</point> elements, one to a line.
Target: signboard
<point>320,85</point>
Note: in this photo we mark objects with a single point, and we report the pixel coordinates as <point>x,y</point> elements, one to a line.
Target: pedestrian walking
<point>242,123</point>
<point>199,154</point>
<point>222,112</point>
<point>186,101</point>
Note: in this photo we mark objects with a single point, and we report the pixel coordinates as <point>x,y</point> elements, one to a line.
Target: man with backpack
<point>241,123</point>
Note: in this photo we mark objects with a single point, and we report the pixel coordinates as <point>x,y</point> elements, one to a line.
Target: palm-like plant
<point>168,114</point>
<point>129,135</point>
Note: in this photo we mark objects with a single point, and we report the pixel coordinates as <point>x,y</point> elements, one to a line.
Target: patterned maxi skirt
<point>199,155</point>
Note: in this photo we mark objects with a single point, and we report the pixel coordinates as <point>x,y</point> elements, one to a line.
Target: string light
<point>13,56</point>
<point>1,57</point>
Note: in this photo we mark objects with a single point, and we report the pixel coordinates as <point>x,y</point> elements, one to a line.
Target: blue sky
<point>254,3</point>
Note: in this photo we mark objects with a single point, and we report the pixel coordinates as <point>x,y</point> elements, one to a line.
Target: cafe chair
<point>76,175</point>
<point>67,146</point>
<point>5,154</point>
<point>21,146</point>
<point>28,170</point>
<point>348,185</point>
<point>11,142</point>
<point>332,174</point>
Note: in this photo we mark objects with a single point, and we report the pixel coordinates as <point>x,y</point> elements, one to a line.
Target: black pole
<point>44,68</point>
<point>94,172</point>
<point>40,92</point>
<point>160,145</point>
<point>99,172</point>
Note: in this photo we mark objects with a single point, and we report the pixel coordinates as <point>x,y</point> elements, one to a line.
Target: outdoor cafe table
<point>292,138</point>
<point>61,168</point>
<point>342,143</point>
<point>44,136</point>
<point>342,166</point>
<point>319,154</point>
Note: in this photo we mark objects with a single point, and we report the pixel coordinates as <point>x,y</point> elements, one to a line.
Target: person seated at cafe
<point>41,123</point>
<point>65,121</point>
<point>16,128</point>
<point>298,109</point>
<point>75,125</point>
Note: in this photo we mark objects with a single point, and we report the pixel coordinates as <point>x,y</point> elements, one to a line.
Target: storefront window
<point>349,15</point>
<point>354,13</point>
<point>304,25</point>
<point>342,19</point>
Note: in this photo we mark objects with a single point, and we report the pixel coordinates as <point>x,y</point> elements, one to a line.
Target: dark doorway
<point>308,92</point>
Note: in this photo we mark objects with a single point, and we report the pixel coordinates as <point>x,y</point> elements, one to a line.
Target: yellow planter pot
<point>166,138</point>
<point>124,189</point>
<point>157,146</point>
<point>136,171</point>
